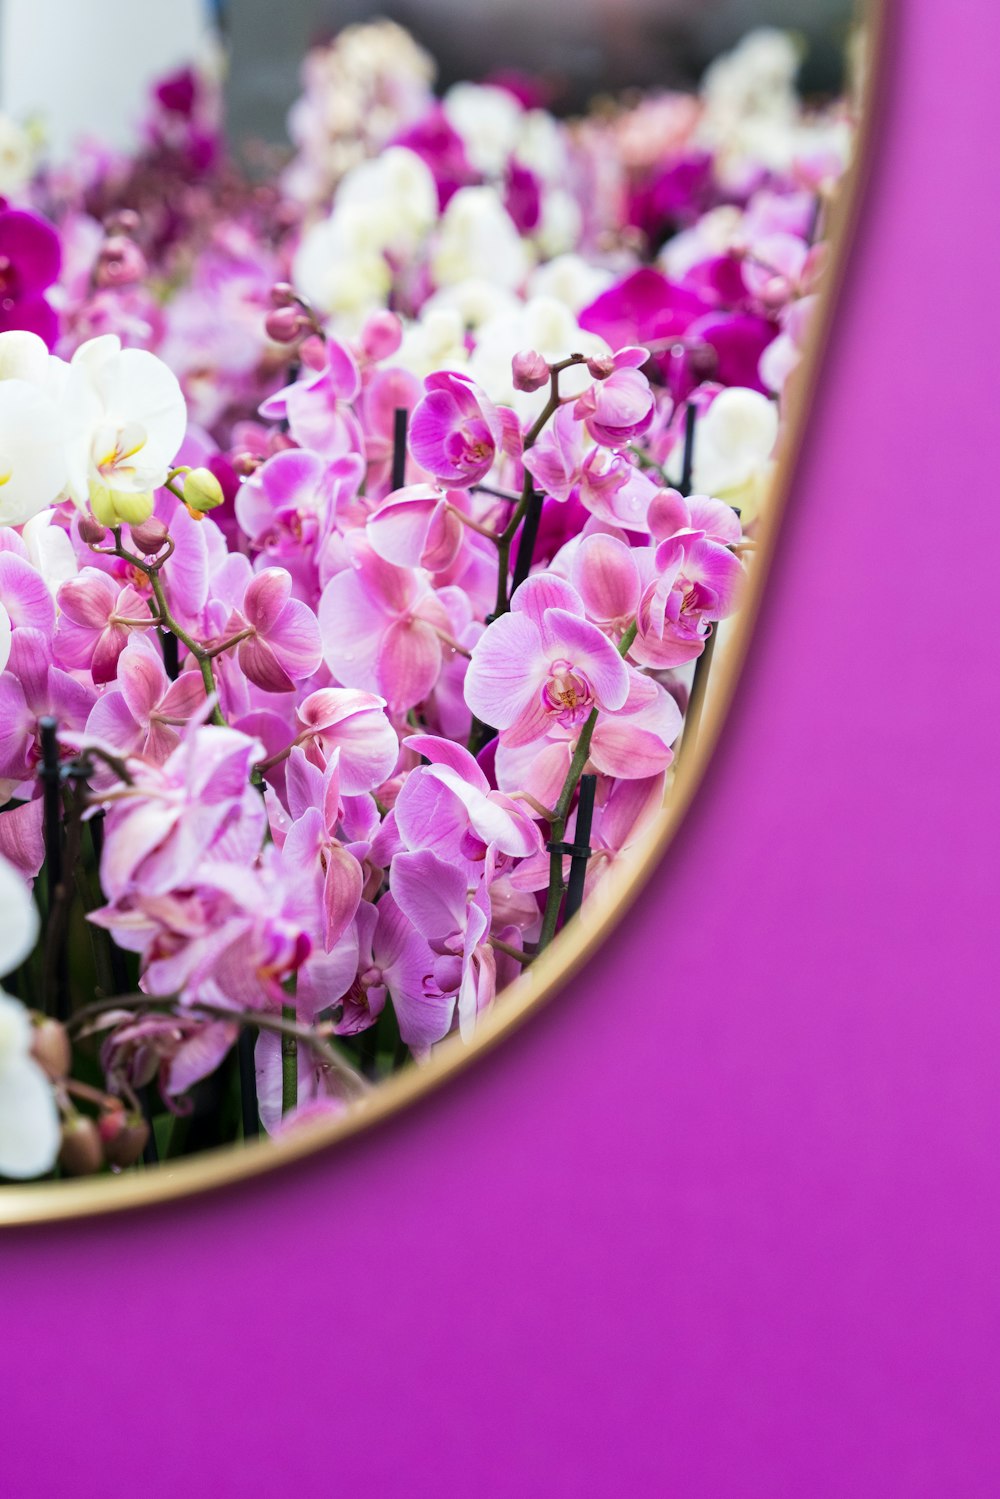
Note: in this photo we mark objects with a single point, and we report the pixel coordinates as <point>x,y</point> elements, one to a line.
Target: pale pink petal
<point>507,669</point>
<point>408,663</point>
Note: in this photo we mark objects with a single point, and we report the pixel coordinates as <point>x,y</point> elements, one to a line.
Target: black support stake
<point>400,421</point>
<point>581,846</point>
<point>248,1083</point>
<point>690,417</point>
<point>529,535</point>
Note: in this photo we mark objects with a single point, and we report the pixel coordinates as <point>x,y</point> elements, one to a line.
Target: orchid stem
<point>553,902</point>
<point>167,621</point>
<point>289,1063</point>
<point>506,536</point>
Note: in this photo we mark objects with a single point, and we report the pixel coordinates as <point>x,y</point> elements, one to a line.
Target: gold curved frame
<point>52,1201</point>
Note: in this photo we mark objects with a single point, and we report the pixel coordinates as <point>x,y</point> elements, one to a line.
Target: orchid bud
<point>91,531</point>
<point>284,324</point>
<point>530,370</point>
<point>122,221</point>
<point>124,1136</point>
<point>120,262</point>
<point>81,1152</point>
<point>381,335</point>
<point>202,491</point>
<point>282,294</point>
<point>115,507</point>
<point>50,1047</point>
<point>312,353</point>
<point>150,537</point>
<point>600,366</point>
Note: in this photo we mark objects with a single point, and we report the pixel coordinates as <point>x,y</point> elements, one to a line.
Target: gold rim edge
<point>51,1202</point>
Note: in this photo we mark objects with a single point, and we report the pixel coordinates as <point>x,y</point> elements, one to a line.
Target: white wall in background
<point>85,66</point>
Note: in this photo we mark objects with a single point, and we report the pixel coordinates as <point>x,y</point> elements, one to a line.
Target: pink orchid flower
<point>318,406</point>
<point>200,801</point>
<point>623,813</point>
<point>285,505</point>
<point>353,726</point>
<point>449,808</point>
<point>145,712</point>
<point>454,923</point>
<point>96,616</point>
<point>543,664</point>
<point>24,597</point>
<point>284,644</point>
<point>630,744</point>
<point>455,432</point>
<point>394,958</point>
<point>620,407</point>
<point>696,578</point>
<point>382,628</point>
<point>29,688</point>
<point>605,482</point>
<point>175,1050</point>
<point>418,527</point>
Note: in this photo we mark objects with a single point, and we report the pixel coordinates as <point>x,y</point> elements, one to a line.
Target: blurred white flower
<point>488,119</point>
<point>33,467</point>
<point>29,1119</point>
<point>571,280</point>
<point>17,156</point>
<point>478,238</point>
<point>733,449</point>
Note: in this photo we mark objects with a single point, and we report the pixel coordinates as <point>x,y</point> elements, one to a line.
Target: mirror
<point>384,504</point>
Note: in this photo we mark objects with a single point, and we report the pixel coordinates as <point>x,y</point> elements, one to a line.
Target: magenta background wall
<point>724,1220</point>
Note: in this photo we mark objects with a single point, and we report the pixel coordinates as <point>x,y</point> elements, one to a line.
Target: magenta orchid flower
<point>696,578</point>
<point>30,257</point>
<point>395,958</point>
<point>285,506</point>
<point>455,432</point>
<point>543,664</point>
<point>631,744</point>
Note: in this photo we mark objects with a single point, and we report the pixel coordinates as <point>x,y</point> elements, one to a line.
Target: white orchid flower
<point>127,418</point>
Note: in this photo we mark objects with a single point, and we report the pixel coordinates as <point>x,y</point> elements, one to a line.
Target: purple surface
<point>724,1219</point>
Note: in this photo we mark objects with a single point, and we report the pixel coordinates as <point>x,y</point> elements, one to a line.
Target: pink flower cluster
<point>326,707</point>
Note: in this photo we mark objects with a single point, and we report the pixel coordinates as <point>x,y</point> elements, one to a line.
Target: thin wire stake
<point>581,846</point>
<point>690,417</point>
<point>399,425</point>
<point>529,536</point>
<point>248,1083</point>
